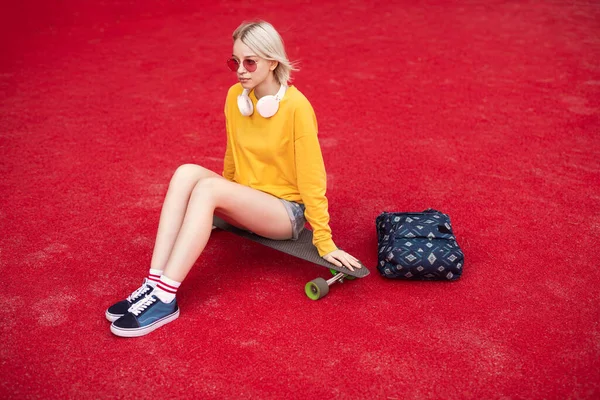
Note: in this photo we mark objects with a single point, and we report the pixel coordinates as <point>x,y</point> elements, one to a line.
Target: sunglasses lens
<point>233,64</point>
<point>250,65</point>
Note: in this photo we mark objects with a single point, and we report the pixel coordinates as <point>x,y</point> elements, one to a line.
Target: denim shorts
<point>296,213</point>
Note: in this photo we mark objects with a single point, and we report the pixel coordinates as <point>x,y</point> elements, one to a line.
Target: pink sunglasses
<point>234,65</point>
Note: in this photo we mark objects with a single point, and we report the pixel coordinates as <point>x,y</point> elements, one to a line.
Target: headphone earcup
<point>245,105</point>
<point>267,106</point>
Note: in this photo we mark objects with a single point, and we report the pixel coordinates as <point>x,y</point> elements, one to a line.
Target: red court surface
<point>486,110</point>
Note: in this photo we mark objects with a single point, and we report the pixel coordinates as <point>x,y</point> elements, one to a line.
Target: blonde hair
<point>262,38</point>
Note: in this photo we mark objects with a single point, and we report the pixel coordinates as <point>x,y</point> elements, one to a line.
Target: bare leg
<point>254,210</point>
<point>173,211</point>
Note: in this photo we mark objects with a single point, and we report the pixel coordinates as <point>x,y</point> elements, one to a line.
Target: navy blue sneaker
<point>119,309</point>
<point>145,316</point>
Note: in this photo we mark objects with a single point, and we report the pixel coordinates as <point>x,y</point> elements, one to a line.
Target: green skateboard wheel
<point>316,289</point>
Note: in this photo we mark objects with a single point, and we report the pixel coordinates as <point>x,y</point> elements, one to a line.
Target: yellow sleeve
<point>228,163</point>
<point>312,178</point>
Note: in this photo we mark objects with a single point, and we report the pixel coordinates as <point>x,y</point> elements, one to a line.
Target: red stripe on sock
<point>155,278</point>
<point>169,286</point>
<point>166,288</point>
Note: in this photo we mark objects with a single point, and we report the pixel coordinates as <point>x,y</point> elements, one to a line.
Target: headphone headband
<point>281,93</point>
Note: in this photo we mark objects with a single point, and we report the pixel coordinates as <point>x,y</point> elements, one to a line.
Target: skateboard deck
<point>301,248</point>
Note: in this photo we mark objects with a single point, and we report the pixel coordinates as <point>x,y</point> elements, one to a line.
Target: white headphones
<point>267,106</point>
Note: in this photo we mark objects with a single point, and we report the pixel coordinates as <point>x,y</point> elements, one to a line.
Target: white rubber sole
<point>137,332</point>
<point>112,317</point>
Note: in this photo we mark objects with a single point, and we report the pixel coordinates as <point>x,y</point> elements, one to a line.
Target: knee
<point>187,173</point>
<point>208,188</point>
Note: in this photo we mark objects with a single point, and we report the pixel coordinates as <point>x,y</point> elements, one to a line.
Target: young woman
<point>273,178</point>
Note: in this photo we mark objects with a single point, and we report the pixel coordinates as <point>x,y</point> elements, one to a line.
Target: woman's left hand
<point>340,257</point>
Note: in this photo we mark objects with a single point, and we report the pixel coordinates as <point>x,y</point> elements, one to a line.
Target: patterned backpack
<point>418,246</point>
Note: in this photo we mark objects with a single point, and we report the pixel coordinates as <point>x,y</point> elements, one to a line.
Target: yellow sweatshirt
<point>281,156</point>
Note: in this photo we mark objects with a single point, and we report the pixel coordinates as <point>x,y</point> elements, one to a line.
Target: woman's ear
<point>273,64</point>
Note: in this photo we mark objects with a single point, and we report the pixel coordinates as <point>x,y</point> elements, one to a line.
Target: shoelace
<point>138,292</point>
<point>140,306</point>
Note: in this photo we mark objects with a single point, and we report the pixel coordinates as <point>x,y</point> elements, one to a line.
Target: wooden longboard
<point>301,248</point>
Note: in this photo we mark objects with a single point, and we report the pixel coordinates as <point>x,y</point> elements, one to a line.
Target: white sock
<point>166,289</point>
<point>154,277</point>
